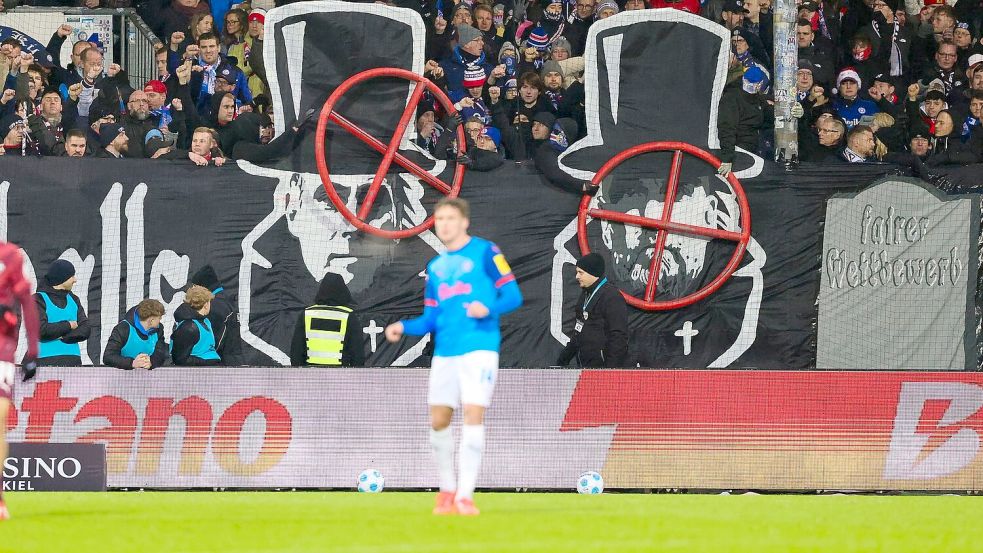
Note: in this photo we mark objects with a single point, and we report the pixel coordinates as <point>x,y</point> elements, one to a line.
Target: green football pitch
<point>244,522</point>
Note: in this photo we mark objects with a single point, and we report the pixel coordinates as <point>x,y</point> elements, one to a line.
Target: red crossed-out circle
<point>665,225</point>
<point>389,151</point>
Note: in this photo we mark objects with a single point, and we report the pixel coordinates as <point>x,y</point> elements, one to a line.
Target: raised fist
<point>114,69</point>
<point>177,37</point>
<point>913,89</point>
<point>184,72</point>
<point>64,30</point>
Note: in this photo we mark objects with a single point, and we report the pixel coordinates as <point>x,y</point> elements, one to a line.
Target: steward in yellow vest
<point>329,332</point>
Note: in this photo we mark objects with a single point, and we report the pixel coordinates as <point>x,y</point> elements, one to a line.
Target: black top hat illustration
<point>651,75</point>
<point>316,46</point>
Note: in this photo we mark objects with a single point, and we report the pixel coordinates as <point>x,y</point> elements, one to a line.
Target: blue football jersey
<point>476,272</point>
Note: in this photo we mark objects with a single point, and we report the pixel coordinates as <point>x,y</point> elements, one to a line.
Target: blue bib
<point>58,348</point>
<point>136,343</point>
<point>205,348</point>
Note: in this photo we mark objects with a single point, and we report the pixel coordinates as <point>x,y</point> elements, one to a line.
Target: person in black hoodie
<point>548,156</point>
<point>316,336</point>
<point>743,114</point>
<point>137,342</point>
<point>223,315</point>
<point>63,320</point>
<point>193,340</point>
<point>600,336</point>
<point>947,146</point>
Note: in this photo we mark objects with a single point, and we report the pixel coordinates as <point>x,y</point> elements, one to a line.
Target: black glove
<point>303,119</point>
<point>30,367</point>
<point>464,159</point>
<point>590,188</point>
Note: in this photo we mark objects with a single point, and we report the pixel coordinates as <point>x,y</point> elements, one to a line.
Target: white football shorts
<point>467,379</point>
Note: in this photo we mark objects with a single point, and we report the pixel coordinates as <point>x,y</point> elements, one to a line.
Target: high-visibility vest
<point>325,327</point>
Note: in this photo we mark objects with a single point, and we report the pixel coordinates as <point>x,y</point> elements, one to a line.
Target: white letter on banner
<point>111,264</point>
<point>135,248</point>
<point>174,269</point>
<point>907,443</point>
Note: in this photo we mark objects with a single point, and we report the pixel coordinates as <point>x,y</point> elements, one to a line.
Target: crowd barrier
<point>317,428</point>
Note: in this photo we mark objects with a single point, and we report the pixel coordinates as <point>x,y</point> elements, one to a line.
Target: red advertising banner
<point>786,429</point>
<point>263,428</point>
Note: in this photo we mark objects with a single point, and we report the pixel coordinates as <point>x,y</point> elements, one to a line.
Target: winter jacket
<point>741,118</point>
<point>882,37</point>
<point>603,339</point>
<point>166,16</point>
<point>851,111</point>
<point>457,62</point>
<point>224,317</point>
<point>823,60</point>
<point>576,32</point>
<point>332,293</point>
<point>61,331</point>
<point>136,131</point>
<point>951,150</point>
<point>193,339</point>
<point>129,339</point>
<point>51,139</point>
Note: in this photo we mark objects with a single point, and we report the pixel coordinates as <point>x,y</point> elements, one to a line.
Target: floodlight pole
<point>786,57</point>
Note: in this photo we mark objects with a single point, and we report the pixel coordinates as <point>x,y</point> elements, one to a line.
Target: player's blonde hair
<point>197,297</point>
<point>459,204</point>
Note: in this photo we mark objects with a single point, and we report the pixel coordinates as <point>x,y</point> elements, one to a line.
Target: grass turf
<point>244,522</point>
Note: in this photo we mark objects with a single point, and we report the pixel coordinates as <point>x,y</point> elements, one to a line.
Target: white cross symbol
<point>372,330</point>
<point>687,333</point>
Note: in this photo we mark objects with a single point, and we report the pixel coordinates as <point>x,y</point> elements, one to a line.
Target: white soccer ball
<point>371,481</point>
<point>590,483</point>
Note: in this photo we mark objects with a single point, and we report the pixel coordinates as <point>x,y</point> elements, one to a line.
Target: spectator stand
<point>124,37</point>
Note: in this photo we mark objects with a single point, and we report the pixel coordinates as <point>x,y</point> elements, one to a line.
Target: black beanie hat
<point>206,277</point>
<point>59,272</point>
<point>593,264</point>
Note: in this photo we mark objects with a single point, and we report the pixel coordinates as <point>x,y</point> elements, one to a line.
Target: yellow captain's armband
<point>502,265</point>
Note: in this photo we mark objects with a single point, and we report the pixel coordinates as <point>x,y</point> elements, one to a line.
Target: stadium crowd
<point>877,80</point>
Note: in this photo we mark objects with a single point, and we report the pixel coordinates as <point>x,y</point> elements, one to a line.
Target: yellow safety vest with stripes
<point>325,327</point>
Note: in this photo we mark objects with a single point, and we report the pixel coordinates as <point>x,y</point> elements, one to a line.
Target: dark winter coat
<point>951,150</point>
<point>224,316</point>
<point>185,336</point>
<point>113,356</point>
<point>741,118</point>
<point>63,330</point>
<point>603,340</point>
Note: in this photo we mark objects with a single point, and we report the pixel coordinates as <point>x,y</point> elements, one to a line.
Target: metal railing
<point>138,49</point>
<point>133,41</point>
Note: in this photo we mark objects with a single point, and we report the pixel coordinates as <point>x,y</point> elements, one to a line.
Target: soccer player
<point>468,288</point>
<point>14,290</point>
